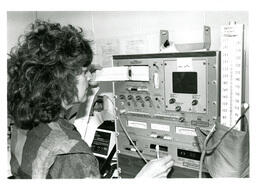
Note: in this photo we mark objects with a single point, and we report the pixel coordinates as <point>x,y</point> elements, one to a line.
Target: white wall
<point>76,18</point>
<point>116,24</point>
<point>119,24</point>
<point>17,22</point>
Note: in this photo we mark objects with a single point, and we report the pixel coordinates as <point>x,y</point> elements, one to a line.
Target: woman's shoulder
<point>59,137</point>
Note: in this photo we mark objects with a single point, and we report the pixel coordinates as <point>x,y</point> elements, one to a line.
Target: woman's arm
<point>74,166</point>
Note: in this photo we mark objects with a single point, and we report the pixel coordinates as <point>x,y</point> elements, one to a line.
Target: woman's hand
<point>157,168</point>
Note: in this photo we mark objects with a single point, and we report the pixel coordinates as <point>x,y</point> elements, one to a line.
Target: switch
<point>156,80</point>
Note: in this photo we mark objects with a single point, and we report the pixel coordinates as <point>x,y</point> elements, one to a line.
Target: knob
<point>129,97</point>
<point>181,119</point>
<point>122,97</point>
<point>177,108</point>
<point>194,102</point>
<point>172,100</point>
<point>147,98</point>
<point>138,98</point>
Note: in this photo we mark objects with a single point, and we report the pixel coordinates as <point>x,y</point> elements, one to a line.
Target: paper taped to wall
<point>134,73</point>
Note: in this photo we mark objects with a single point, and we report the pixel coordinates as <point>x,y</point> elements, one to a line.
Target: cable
<point>220,140</point>
<point>126,133</point>
<point>157,152</point>
<point>128,136</point>
<point>205,149</point>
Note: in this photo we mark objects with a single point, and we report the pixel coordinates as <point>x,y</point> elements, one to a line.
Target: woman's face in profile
<point>83,85</point>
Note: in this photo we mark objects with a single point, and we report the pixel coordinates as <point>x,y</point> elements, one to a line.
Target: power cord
<point>126,132</point>
<point>205,149</point>
<point>130,139</point>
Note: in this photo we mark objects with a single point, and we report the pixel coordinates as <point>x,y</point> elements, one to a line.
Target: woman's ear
<point>65,104</point>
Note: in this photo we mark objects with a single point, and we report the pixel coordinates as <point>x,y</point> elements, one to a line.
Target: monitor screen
<point>184,82</point>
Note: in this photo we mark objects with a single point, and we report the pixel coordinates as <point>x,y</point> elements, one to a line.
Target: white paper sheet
<point>112,74</point>
<point>140,73</point>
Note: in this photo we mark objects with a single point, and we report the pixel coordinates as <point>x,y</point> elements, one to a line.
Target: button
<point>172,100</point>
<point>153,135</point>
<point>167,137</point>
<point>177,108</point>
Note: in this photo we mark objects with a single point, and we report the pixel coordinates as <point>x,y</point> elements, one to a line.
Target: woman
<point>48,73</point>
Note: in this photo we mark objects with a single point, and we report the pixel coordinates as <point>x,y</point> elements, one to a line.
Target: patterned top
<point>53,150</point>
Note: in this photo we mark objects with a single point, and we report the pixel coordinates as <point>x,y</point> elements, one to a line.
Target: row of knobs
<point>147,98</point>
<point>138,98</point>
<point>178,108</point>
<point>172,101</point>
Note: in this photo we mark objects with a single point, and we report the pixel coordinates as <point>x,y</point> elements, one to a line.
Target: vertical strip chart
<point>232,45</point>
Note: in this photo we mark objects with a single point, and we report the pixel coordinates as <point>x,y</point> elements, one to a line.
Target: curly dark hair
<point>42,71</point>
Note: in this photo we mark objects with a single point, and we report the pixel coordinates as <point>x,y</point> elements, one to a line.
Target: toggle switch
<point>156,80</point>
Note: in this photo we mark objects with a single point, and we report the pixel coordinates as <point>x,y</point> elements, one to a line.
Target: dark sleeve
<point>74,166</point>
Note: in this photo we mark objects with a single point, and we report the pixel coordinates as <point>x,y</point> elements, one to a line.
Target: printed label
<point>137,124</point>
<point>185,131</point>
<point>184,64</point>
<point>160,127</point>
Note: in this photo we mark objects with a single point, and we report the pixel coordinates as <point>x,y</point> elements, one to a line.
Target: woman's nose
<point>89,76</point>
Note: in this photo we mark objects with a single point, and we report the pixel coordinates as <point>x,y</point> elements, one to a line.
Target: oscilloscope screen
<point>184,82</point>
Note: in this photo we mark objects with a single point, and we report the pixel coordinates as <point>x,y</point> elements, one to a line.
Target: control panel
<point>161,112</point>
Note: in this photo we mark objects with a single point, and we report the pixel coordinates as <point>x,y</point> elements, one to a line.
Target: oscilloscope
<point>165,97</point>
